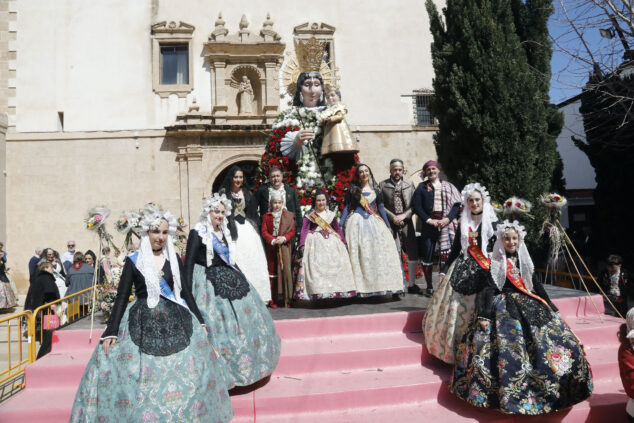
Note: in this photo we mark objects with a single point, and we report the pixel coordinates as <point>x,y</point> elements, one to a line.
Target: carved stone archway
<point>216,176</point>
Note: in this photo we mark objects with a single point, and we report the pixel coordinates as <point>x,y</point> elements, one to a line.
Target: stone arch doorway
<point>249,167</point>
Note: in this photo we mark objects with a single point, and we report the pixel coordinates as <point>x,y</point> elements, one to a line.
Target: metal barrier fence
<point>57,314</point>
<point>554,278</point>
<point>26,329</point>
<point>17,354</point>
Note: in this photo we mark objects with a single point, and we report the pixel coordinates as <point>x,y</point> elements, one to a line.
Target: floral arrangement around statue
<point>308,174</point>
<point>331,170</point>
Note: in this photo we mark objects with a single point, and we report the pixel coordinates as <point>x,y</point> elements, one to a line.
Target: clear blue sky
<point>569,75</point>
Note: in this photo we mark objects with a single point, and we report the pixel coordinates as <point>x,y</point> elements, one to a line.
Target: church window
<point>174,64</point>
<point>172,58</point>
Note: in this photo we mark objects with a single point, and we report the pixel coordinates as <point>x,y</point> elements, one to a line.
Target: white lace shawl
<point>498,260</point>
<point>145,260</point>
<point>488,217</point>
<point>205,229</point>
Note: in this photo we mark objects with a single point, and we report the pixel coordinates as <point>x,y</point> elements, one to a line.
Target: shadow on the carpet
<point>241,390</point>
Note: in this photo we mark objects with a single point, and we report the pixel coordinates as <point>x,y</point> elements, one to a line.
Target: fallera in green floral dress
<point>239,325</point>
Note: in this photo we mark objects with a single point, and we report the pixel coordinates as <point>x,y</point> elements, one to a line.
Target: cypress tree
<point>531,25</point>
<point>491,95</point>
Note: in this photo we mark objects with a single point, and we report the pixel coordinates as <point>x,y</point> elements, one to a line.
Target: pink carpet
<point>363,368</point>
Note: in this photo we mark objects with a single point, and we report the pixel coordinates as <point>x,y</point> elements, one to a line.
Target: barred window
<point>423,115</point>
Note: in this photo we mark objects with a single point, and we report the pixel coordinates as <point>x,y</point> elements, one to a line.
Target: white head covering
<point>205,228</point>
<point>151,219</point>
<point>498,260</point>
<point>276,196</point>
<point>488,216</point>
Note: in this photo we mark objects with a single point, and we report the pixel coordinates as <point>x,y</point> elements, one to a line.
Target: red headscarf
<point>430,163</point>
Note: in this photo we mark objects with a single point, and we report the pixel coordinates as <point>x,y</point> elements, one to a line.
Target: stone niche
<point>244,73</point>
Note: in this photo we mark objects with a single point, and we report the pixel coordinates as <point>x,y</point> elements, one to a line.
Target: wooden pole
<point>94,289</point>
<point>588,271</point>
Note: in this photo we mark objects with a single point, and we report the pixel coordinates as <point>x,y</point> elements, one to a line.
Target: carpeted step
<point>362,368</point>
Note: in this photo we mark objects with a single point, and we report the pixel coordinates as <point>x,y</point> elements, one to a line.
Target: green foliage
<point>492,69</point>
<point>609,145</point>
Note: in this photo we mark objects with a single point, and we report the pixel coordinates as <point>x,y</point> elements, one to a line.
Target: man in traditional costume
<point>437,204</point>
<point>397,199</point>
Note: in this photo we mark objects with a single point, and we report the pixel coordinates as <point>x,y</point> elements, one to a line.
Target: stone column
<point>219,95</point>
<point>196,181</point>
<point>191,181</point>
<point>183,183</point>
<point>270,99</point>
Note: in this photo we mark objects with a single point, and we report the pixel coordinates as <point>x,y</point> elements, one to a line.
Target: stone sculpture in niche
<point>245,93</point>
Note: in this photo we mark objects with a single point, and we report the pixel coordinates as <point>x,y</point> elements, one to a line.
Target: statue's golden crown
<point>310,54</point>
<point>308,57</point>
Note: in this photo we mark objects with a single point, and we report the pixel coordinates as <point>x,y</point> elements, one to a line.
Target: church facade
<point>119,103</point>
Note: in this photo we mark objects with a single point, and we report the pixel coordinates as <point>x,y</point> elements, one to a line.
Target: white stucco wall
<point>92,60</point>
<point>3,178</point>
<point>578,171</point>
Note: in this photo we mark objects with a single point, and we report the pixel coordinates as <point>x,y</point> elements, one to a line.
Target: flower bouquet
<point>497,207</point>
<point>96,218</point>
<point>554,201</point>
<point>129,223</point>
<point>107,293</point>
<point>180,239</point>
<point>95,221</point>
<point>515,207</point>
<point>551,226</point>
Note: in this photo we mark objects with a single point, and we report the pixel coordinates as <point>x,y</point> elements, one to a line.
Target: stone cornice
<point>264,51</point>
<point>13,136</point>
<point>308,29</point>
<point>172,27</point>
